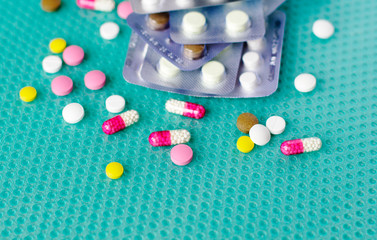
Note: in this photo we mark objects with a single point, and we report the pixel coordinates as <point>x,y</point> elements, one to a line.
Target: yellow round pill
<point>114,170</point>
<point>57,45</point>
<point>244,144</point>
<point>28,94</point>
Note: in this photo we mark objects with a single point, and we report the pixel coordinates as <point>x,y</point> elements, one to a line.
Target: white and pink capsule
<point>168,138</point>
<point>187,109</point>
<point>298,146</point>
<point>120,122</point>
<point>99,5</point>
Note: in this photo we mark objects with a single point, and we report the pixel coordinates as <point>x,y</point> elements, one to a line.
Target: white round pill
<point>109,30</point>
<point>167,69</point>
<point>73,113</point>
<point>305,82</point>
<point>115,104</point>
<point>237,21</point>
<point>252,60</point>
<point>52,64</point>
<point>276,125</point>
<point>213,73</point>
<point>249,80</point>
<point>259,134</point>
<point>193,23</point>
<point>257,44</point>
<point>323,29</point>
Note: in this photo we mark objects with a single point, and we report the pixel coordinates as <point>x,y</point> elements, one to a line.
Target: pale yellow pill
<point>28,94</point>
<point>57,45</point>
<point>114,170</point>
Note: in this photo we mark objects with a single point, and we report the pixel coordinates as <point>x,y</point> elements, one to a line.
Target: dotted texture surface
<point>52,174</point>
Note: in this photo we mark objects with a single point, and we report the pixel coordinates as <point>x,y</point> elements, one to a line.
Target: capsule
<point>187,109</point>
<point>120,122</point>
<point>100,5</point>
<point>298,146</point>
<point>168,138</point>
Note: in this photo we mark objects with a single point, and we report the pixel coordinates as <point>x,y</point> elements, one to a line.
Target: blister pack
<point>269,6</point>
<point>154,30</point>
<point>232,22</point>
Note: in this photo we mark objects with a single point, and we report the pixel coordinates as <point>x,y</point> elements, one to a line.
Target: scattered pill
<point>114,170</point>
<point>158,21</point>
<point>73,113</point>
<point>245,121</point>
<point>323,29</point>
<point>73,55</point>
<point>187,109</point>
<point>193,52</point>
<point>276,125</point>
<point>249,80</point>
<point>168,138</point>
<point>28,94</point>
<point>259,134</point>
<point>181,154</point>
<point>109,30</point>
<point>124,9</point>
<point>194,23</point>
<point>257,44</point>
<point>120,122</point>
<point>62,85</point>
<point>237,21</point>
<point>167,69</point>
<point>50,5</point>
<point>52,64</point>
<point>99,5</point>
<point>297,146</point>
<point>95,80</point>
<point>57,45</point>
<point>213,73</point>
<point>252,60</point>
<point>305,82</point>
<point>244,144</point>
<point>115,104</point>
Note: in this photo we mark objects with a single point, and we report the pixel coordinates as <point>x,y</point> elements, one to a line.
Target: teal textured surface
<point>52,174</point>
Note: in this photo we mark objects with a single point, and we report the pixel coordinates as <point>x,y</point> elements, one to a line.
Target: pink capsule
<point>187,109</point>
<point>298,146</point>
<point>120,122</point>
<point>100,5</point>
<point>168,138</point>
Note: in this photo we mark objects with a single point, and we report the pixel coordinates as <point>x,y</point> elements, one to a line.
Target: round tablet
<point>237,21</point>
<point>257,44</point>
<point>193,51</point>
<point>109,30</point>
<point>193,23</point>
<point>73,55</point>
<point>115,104</point>
<point>73,113</point>
<point>276,125</point>
<point>52,64</point>
<point>259,134</point>
<point>167,69</point>
<point>245,121</point>
<point>95,80</point>
<point>124,9</point>
<point>305,82</point>
<point>252,60</point>
<point>28,94</point>
<point>158,21</point>
<point>249,80</point>
<point>213,72</point>
<point>50,5</point>
<point>62,85</point>
<point>323,29</point>
<point>57,45</point>
<point>181,154</point>
<point>114,170</point>
<point>244,144</point>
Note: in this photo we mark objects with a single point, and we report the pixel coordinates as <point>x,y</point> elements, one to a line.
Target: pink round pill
<point>73,55</point>
<point>95,80</point>
<point>181,154</point>
<point>62,85</point>
<point>124,9</point>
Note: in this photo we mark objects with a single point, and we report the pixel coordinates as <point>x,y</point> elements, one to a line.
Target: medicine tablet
<point>115,104</point>
<point>181,154</point>
<point>244,144</point>
<point>62,85</point>
<point>193,23</point>
<point>257,44</point>
<point>73,113</point>
<point>95,80</point>
<point>57,45</point>
<point>109,30</point>
<point>323,29</point>
<point>237,21</point>
<point>249,80</point>
<point>158,21</point>
<point>245,121</point>
<point>50,5</point>
<point>259,134</point>
<point>276,125</point>
<point>252,60</point>
<point>52,64</point>
<point>28,94</point>
<point>124,9</point>
<point>73,55</point>
<point>114,170</point>
<point>213,73</point>
<point>305,82</point>
<point>193,51</point>
<point>167,69</point>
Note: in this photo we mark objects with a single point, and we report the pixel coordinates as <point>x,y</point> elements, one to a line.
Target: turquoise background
<point>52,174</point>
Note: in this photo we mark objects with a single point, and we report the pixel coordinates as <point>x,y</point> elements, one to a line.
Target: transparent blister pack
<point>269,6</point>
<point>154,30</point>
<point>232,22</point>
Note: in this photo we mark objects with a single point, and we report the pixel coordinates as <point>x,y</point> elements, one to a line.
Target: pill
<point>114,170</point>
<point>115,104</point>
<point>109,30</point>
<point>260,134</point>
<point>237,21</point>
<point>50,5</point>
<point>169,137</point>
<point>124,9</point>
<point>158,21</point>
<point>120,122</point>
<point>95,80</point>
<point>73,113</point>
<point>249,80</point>
<point>181,154</point>
<point>257,44</point>
<point>297,146</point>
<point>305,82</point>
<point>245,121</point>
<point>99,5</point>
<point>276,125</point>
<point>213,73</point>
<point>167,69</point>
<point>193,23</point>
<point>252,60</point>
<point>28,94</point>
<point>52,64</point>
<point>187,109</point>
<point>244,144</point>
<point>73,55</point>
<point>193,51</point>
<point>323,29</point>
<point>57,45</point>
<point>62,85</point>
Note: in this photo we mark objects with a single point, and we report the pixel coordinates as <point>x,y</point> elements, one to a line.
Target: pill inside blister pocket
<point>252,60</point>
<point>257,44</point>
<point>249,80</point>
<point>194,23</point>
<point>166,69</point>
<point>193,51</point>
<point>158,21</point>
<point>213,73</point>
<point>237,21</point>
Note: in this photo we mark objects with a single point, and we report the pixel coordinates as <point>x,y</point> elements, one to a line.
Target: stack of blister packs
<point>206,48</point>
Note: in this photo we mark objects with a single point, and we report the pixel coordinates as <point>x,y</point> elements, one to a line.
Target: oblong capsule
<point>187,109</point>
<point>120,122</point>
<point>298,146</point>
<point>168,138</point>
<point>99,5</point>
